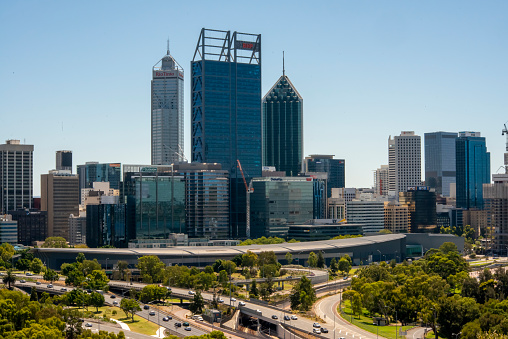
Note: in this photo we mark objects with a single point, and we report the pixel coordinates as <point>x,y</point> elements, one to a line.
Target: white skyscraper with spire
<point>167,111</point>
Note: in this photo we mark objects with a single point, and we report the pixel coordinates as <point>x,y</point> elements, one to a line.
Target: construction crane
<point>249,190</point>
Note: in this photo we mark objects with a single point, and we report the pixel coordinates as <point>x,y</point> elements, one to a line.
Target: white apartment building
<point>404,162</point>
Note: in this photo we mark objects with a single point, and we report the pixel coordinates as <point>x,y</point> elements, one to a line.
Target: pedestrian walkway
<point>159,333</point>
<point>123,325</point>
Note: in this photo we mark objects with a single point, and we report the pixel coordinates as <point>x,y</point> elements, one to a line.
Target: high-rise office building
<point>336,169</point>
<point>167,111</point>
<point>32,225</point>
<point>473,169</point>
<point>283,127</point>
<point>16,176</point>
<point>404,162</point>
<point>64,161</point>
<point>60,198</point>
<point>226,111</point>
<point>440,161</point>
<point>92,172</point>
<point>381,180</point>
<point>8,230</point>
<point>368,212</point>
<point>421,204</point>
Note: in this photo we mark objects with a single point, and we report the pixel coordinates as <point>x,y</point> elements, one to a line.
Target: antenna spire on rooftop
<point>168,47</point>
<point>283,68</point>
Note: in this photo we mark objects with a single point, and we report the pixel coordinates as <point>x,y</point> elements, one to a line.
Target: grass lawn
<point>365,323</point>
<point>140,325</point>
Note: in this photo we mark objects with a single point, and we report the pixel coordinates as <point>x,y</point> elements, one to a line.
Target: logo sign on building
<point>148,169</point>
<point>167,74</point>
<point>248,45</point>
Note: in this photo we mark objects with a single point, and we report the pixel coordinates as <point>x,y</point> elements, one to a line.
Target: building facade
<point>496,208</point>
<point>440,161</point>
<point>8,230</point>
<point>167,111</point>
<point>277,203</point>
<point>421,203</point>
<point>396,217</point>
<point>16,176</point>
<point>106,225</point>
<point>226,112</point>
<point>92,172</point>
<point>473,169</point>
<point>283,127</point>
<point>32,225</point>
<point>60,198</point>
<point>381,181</point>
<point>64,161</point>
<point>369,213</point>
<point>404,162</point>
<point>77,229</point>
<point>336,169</point>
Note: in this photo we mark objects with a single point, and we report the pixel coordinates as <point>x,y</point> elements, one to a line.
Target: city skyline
<point>365,74</point>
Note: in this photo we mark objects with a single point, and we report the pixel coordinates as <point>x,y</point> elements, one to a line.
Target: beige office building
<point>396,217</point>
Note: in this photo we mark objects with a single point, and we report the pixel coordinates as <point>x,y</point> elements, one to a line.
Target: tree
<point>302,295</point>
<point>23,264</point>
<point>152,292</point>
<point>197,304</point>
<point>80,257</point>
<point>238,260</point>
<point>123,268</point>
<point>74,325</point>
<point>313,260</point>
<point>344,265</point>
<point>223,278</point>
<point>88,266</point>
<point>289,258</point>
<point>334,266</point>
<point>129,306</point>
<point>97,280</point>
<point>96,300</point>
<point>151,268</point>
<point>36,266</point>
<point>50,275</point>
<point>55,242</point>
<point>229,267</point>
<point>267,258</point>
<point>320,260</point>
<point>249,259</point>
<point>253,292</point>
<point>33,294</point>
<point>355,299</point>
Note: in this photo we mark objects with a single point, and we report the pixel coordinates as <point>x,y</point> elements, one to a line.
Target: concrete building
<point>404,162</point>
<point>396,217</point>
<point>278,202</point>
<point>496,208</point>
<point>381,180</point>
<point>64,161</point>
<point>77,229</point>
<point>167,111</point>
<point>93,171</point>
<point>368,212</point>
<point>32,225</point>
<point>440,161</point>
<point>16,176</point>
<point>8,230</point>
<point>283,127</point>
<point>60,198</point>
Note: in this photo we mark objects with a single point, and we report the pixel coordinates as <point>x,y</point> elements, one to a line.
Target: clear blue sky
<point>76,75</point>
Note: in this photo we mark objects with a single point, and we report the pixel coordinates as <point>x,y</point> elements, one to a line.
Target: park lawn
<point>140,325</point>
<point>365,323</point>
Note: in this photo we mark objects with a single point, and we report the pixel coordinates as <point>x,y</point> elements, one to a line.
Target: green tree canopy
<point>36,266</point>
<point>302,295</point>
<point>129,306</point>
<point>55,242</point>
<point>152,269</point>
<point>198,304</point>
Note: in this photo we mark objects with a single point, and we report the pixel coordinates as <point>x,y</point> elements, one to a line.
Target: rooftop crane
<point>249,190</point>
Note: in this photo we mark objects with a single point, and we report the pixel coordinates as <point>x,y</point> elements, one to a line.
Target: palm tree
<point>9,278</point>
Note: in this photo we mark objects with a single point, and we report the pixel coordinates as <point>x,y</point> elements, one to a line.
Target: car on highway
<point>28,274</point>
<point>316,325</point>
<point>274,317</point>
<point>22,281</point>
<point>324,330</point>
<point>38,283</point>
<point>241,303</point>
<point>342,338</point>
<point>49,286</point>
<point>188,328</point>
<point>152,313</point>
<point>317,331</point>
<point>113,296</point>
<point>220,301</point>
<point>286,317</point>
<point>115,303</point>
<point>259,312</point>
<point>192,292</point>
<point>63,289</point>
<point>89,291</point>
<point>178,324</point>
<point>146,307</point>
<point>165,319</point>
<point>345,278</point>
<point>88,325</point>
<point>185,323</point>
<point>233,299</point>
<point>294,317</point>
<point>289,277</point>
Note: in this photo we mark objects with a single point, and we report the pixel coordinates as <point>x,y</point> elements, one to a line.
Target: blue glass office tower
<point>336,169</point>
<point>473,169</point>
<point>92,172</point>
<point>226,111</point>
<point>440,161</point>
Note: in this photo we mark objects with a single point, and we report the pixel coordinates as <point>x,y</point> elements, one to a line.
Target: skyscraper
<point>92,172</point>
<point>473,169</point>
<point>335,168</point>
<point>440,161</point>
<point>16,176</point>
<point>404,162</point>
<point>283,127</point>
<point>64,160</point>
<point>226,111</point>
<point>167,111</point>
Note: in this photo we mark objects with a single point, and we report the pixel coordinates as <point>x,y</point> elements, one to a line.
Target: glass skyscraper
<point>283,127</point>
<point>226,111</point>
<point>473,169</point>
<point>92,172</point>
<point>167,111</point>
<point>336,169</point>
<point>440,161</point>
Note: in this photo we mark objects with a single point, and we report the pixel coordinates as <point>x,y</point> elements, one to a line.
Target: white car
<point>115,302</point>
<point>192,292</point>
<point>316,325</point>
<point>317,331</point>
<point>88,325</point>
<point>220,301</point>
<point>294,317</point>
<point>233,299</point>
<point>241,303</point>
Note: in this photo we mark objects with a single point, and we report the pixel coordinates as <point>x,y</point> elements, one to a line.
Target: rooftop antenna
<point>168,47</point>
<point>283,68</point>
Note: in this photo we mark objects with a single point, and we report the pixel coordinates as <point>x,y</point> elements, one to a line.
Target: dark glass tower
<point>226,111</point>
<point>473,169</point>
<point>440,161</point>
<point>283,127</point>
<point>336,169</point>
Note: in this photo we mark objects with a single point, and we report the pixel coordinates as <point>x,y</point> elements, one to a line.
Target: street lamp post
<point>379,254</point>
<point>106,264</point>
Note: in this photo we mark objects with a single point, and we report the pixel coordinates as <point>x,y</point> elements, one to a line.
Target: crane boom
<point>249,190</point>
